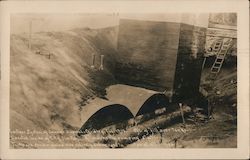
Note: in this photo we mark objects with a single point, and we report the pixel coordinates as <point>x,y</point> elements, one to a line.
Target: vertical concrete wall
<point>162,55</point>
<point>189,61</point>
<point>147,53</point>
<point>190,55</point>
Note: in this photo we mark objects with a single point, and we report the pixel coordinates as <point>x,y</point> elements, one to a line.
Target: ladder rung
<point>217,59</point>
<point>223,50</point>
<point>217,63</point>
<point>225,45</point>
<point>221,53</point>
<point>217,68</point>
<point>220,56</point>
<point>214,67</point>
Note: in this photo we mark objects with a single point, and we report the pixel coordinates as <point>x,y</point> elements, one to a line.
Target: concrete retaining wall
<point>189,61</point>
<point>147,53</point>
<point>160,55</point>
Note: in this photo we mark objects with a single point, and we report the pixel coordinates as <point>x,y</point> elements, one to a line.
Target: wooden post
<point>175,142</point>
<point>161,134</point>
<point>203,64</point>
<point>93,61</point>
<point>208,109</point>
<point>101,66</point>
<point>171,95</point>
<point>182,115</point>
<point>30,32</point>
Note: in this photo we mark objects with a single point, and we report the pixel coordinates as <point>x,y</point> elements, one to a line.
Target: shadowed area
<point>154,102</point>
<point>106,116</point>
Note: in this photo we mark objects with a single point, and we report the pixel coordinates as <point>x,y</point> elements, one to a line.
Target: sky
<point>62,22</point>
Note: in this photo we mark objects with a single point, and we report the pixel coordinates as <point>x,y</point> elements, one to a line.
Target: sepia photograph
<point>124,80</point>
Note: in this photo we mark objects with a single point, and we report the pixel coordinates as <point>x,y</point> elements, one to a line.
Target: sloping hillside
<point>51,82</point>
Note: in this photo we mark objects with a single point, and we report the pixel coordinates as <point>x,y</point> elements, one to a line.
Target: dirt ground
<point>219,131</point>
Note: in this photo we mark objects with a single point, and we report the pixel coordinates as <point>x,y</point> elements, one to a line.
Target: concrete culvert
<point>106,116</point>
<point>154,102</point>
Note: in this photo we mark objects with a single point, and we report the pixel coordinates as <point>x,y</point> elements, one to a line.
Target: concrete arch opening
<point>106,116</point>
<point>154,102</point>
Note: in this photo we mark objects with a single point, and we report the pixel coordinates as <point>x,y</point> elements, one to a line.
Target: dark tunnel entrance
<point>154,102</point>
<point>106,116</point>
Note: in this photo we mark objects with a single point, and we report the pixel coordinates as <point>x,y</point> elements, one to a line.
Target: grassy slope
<point>49,93</point>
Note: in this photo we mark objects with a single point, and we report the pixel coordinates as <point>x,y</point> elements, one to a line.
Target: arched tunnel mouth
<point>106,116</point>
<point>153,103</point>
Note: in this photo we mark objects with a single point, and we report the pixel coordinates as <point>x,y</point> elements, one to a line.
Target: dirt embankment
<point>51,81</point>
<point>222,88</point>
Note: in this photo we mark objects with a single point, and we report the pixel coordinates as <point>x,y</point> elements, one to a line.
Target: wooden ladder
<point>221,56</point>
<point>217,46</point>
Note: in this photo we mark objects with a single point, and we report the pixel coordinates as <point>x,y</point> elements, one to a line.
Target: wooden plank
<point>221,33</point>
<point>221,26</point>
